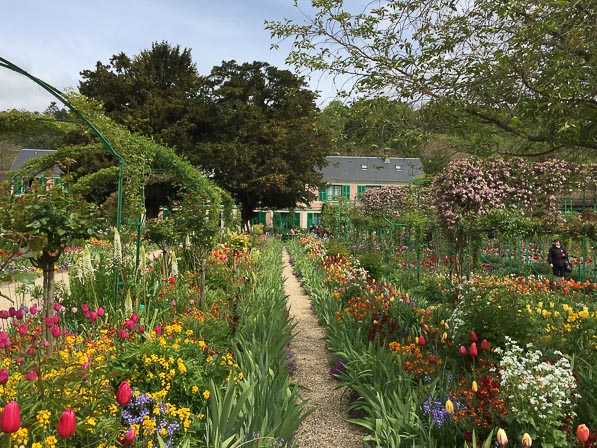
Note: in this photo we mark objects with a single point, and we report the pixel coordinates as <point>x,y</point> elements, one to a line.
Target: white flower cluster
<point>117,247</point>
<point>84,265</point>
<point>544,389</point>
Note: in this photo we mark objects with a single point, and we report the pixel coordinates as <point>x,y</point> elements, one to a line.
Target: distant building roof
<point>372,170</point>
<point>27,154</point>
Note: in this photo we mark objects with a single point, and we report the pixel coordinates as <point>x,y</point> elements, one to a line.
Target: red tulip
<point>473,336</point>
<point>123,394</point>
<point>4,376</point>
<point>421,340</point>
<point>10,419</point>
<point>473,350</point>
<point>484,344</point>
<point>67,424</point>
<point>582,433</point>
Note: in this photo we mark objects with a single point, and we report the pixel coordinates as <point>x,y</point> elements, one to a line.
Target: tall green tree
<point>378,126</point>
<point>153,93</point>
<point>263,144</point>
<point>522,69</point>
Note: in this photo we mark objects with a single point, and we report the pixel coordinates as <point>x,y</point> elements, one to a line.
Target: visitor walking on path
<point>326,427</point>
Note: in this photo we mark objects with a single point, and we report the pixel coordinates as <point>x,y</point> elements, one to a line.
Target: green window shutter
<point>323,195</point>
<point>360,190</point>
<point>277,220</point>
<point>309,220</point>
<point>296,220</point>
<point>41,180</point>
<point>346,191</point>
<point>17,185</point>
<point>261,218</point>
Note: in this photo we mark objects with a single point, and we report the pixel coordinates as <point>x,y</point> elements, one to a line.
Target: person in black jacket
<point>556,258</point>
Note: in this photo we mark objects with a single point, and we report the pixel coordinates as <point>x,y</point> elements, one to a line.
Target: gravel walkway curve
<point>326,427</point>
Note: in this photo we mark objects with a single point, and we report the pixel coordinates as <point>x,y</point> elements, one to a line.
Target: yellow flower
<point>194,389</point>
<point>502,438</point>
<point>206,394</point>
<point>526,440</point>
<point>475,387</point>
<point>449,407</point>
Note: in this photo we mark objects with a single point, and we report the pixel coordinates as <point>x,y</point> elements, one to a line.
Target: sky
<point>55,40</point>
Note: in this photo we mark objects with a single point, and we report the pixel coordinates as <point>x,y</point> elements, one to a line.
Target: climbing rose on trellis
<point>388,201</point>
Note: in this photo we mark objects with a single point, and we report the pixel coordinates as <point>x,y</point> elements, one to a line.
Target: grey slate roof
<point>28,154</point>
<point>378,170</point>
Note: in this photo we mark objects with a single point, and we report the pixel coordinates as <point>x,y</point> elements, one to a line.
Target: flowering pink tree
<point>470,190</point>
<point>386,202</point>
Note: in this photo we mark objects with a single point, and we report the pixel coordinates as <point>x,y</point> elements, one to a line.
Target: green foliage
<point>261,143</point>
<point>336,248</point>
<point>373,127</point>
<point>544,73</point>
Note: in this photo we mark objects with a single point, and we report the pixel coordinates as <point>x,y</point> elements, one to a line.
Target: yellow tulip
<point>475,387</point>
<point>449,407</point>
<point>502,438</point>
<point>526,440</point>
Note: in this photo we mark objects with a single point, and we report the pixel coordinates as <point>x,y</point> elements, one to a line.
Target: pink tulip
<point>10,419</point>
<point>122,334</point>
<point>85,308</point>
<point>101,312</point>
<point>473,350</point>
<point>421,340</point>
<point>473,336</point>
<point>4,374</point>
<point>57,306</point>
<point>49,322</point>
<point>67,424</point>
<point>31,376</point>
<point>462,350</point>
<point>56,331</point>
<point>135,317</point>
<point>129,437</point>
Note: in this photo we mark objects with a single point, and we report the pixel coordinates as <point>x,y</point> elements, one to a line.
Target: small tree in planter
<point>49,220</point>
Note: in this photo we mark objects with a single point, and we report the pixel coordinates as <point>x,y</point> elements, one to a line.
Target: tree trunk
<point>46,262</point>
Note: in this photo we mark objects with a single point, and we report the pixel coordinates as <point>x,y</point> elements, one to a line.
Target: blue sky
<point>55,40</point>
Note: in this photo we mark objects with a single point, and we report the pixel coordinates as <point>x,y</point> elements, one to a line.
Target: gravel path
<point>326,427</point>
